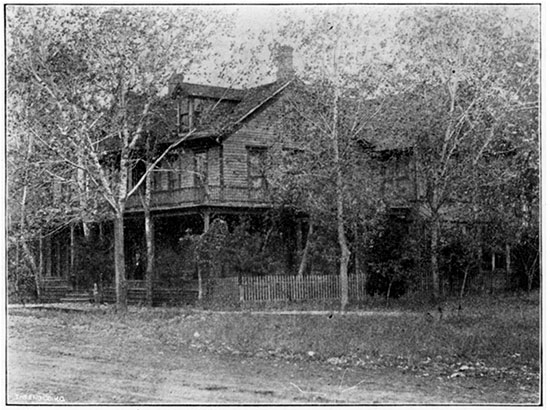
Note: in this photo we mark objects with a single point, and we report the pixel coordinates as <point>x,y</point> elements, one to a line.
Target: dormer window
<point>184,120</point>
<point>189,111</point>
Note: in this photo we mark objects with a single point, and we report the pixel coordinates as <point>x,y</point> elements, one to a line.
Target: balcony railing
<point>211,195</point>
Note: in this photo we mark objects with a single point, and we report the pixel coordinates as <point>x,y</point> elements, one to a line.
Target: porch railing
<point>216,195</point>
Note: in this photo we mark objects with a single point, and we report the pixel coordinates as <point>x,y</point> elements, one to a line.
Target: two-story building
<point>218,170</point>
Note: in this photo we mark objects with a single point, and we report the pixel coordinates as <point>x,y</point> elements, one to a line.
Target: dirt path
<point>207,378</point>
<point>48,363</point>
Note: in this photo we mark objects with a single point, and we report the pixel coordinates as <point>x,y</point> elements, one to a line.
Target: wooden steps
<point>161,296</point>
<point>77,297</point>
<point>53,289</point>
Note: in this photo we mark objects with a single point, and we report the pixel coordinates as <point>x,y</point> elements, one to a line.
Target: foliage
<point>473,105</point>
<point>455,90</point>
<point>94,259</point>
<point>252,251</point>
<point>323,124</point>
<point>391,258</point>
<point>87,94</point>
<point>527,261</point>
<point>21,287</point>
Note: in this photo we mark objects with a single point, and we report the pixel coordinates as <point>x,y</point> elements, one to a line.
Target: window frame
<point>261,151</point>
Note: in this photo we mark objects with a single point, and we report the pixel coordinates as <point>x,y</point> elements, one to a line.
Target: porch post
<point>206,220</point>
<point>71,261</point>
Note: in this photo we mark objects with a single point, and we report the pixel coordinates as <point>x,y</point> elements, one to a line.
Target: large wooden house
<point>216,171</point>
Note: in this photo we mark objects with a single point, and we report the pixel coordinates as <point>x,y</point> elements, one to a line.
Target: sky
<point>254,20</point>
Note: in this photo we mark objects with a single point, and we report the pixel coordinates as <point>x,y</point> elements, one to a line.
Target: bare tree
<point>90,90</point>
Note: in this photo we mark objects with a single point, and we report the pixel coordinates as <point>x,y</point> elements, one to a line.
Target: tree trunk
<point>149,231</point>
<point>299,239</point>
<point>119,205</point>
<point>22,240</point>
<point>28,255</point>
<point>434,249</point>
<point>120,275</point>
<point>72,274</point>
<point>531,273</point>
<point>388,293</point>
<point>508,266</point>
<point>150,245</point>
<point>463,287</point>
<point>16,270</point>
<point>39,272</point>
<point>199,279</point>
<point>305,253</point>
<point>83,188</point>
<point>477,226</point>
<point>342,241</point>
<point>493,267</point>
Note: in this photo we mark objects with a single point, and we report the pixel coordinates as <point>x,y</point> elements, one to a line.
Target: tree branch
<point>154,164</point>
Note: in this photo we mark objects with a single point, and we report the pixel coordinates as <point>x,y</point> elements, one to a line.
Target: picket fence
<point>292,288</point>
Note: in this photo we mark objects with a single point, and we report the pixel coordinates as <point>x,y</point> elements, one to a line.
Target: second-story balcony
<point>195,196</point>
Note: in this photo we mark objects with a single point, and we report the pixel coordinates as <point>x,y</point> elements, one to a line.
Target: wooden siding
<point>235,153</point>
<point>186,169</point>
<point>213,160</point>
<point>227,176</point>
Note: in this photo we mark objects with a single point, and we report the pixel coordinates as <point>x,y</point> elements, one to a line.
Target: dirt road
<point>50,363</point>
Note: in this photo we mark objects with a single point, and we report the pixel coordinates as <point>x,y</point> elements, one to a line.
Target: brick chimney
<point>284,61</point>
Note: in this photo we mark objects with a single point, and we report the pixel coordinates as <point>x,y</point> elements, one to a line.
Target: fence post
<point>241,289</point>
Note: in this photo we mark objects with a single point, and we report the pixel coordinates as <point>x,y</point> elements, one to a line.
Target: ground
<point>75,357</point>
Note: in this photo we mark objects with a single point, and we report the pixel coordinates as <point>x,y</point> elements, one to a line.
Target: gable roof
<point>254,100</point>
<point>385,131</point>
<point>179,88</point>
<point>207,91</point>
<point>220,125</point>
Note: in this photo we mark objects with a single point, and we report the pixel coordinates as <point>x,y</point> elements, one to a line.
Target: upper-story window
<point>201,169</point>
<point>257,158</point>
<point>189,112</point>
<point>183,118</point>
<point>167,175</point>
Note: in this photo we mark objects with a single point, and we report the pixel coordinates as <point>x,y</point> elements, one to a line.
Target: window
<point>183,114</point>
<point>173,171</point>
<point>157,180</point>
<point>257,157</point>
<point>189,112</point>
<point>396,177</point>
<point>201,169</point>
<point>167,174</point>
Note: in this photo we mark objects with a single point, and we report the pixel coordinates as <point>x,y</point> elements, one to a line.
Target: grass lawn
<point>492,342</point>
